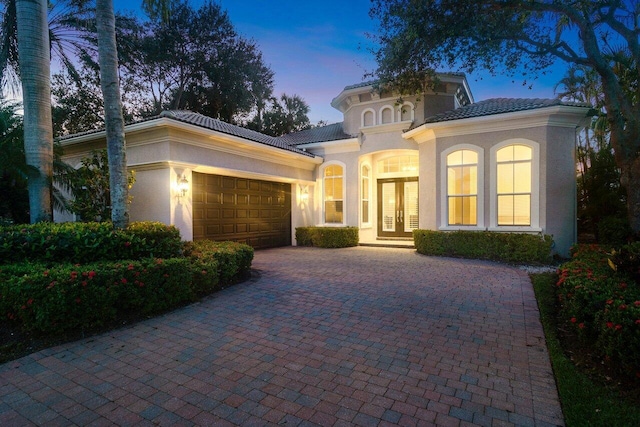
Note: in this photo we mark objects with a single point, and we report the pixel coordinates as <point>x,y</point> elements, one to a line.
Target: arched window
<point>406,112</point>
<point>365,176</point>
<point>368,118</point>
<point>462,188</point>
<point>514,185</point>
<point>386,115</point>
<point>333,188</point>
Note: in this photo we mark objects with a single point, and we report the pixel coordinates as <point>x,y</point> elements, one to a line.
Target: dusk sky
<point>316,48</point>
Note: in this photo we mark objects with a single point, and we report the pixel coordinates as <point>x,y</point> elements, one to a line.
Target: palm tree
<point>114,122</point>
<point>34,62</point>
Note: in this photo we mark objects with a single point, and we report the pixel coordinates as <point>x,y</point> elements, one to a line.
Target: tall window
<point>462,187</point>
<point>514,184</point>
<point>333,203</point>
<point>364,191</point>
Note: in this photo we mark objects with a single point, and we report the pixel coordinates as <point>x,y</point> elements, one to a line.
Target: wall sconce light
<point>183,186</point>
<point>304,193</point>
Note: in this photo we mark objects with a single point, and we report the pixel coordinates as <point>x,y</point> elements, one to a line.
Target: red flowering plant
<point>602,303</point>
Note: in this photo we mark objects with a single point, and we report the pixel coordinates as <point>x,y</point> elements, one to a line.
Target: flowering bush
<point>63,297</point>
<point>603,303</point>
<point>74,296</point>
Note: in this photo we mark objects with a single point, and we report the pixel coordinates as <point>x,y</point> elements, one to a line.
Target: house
<point>437,161</point>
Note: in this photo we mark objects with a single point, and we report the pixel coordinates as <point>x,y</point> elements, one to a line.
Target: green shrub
<point>627,260</point>
<point>233,259</point>
<point>69,297</point>
<point>614,230</point>
<point>87,242</point>
<point>505,247</point>
<point>327,237</point>
<point>603,304</point>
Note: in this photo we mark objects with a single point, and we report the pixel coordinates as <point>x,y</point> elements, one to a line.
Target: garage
<point>244,210</point>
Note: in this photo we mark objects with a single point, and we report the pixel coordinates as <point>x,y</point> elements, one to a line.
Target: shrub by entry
<point>505,247</point>
<point>327,237</point>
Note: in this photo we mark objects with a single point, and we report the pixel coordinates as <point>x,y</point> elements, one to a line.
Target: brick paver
<point>359,336</point>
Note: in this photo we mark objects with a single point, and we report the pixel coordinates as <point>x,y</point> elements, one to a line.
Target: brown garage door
<point>243,210</point>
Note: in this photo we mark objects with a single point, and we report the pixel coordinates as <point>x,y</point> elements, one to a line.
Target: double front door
<point>397,207</point>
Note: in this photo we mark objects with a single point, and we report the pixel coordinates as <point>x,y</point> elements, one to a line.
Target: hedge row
<point>87,242</point>
<point>78,297</point>
<point>70,276</point>
<point>234,259</point>
<point>504,247</point>
<point>599,297</point>
<point>327,237</point>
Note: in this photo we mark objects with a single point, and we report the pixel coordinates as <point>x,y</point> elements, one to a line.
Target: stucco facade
<point>388,168</point>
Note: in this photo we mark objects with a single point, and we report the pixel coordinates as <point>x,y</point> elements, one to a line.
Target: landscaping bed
<point>81,279</point>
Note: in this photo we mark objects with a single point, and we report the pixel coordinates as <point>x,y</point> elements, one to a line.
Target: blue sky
<point>316,48</point>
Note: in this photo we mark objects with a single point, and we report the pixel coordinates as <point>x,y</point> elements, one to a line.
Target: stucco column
<point>428,186</point>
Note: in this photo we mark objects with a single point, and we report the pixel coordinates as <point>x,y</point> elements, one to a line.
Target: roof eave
<point>556,115</point>
<point>175,123</point>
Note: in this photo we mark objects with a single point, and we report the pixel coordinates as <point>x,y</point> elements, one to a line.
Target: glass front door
<point>397,207</point>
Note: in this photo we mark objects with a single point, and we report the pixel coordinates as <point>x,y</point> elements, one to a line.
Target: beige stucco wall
<point>161,155</point>
<point>555,211</point>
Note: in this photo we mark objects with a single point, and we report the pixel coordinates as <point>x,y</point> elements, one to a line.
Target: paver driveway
<point>358,336</point>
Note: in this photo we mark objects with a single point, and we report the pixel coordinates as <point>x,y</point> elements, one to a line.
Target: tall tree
<point>114,121</point>
<point>601,200</point>
<point>113,116</point>
<point>195,60</point>
<point>525,36</point>
<point>34,62</point>
<point>284,115</point>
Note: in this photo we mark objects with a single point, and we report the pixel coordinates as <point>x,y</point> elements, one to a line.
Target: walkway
<point>360,336</point>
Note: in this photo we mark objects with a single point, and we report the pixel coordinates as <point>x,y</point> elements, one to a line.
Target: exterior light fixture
<point>183,186</point>
<point>304,193</point>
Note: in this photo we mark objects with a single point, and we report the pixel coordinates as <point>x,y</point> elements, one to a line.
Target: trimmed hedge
<point>69,297</point>
<point>56,278</point>
<point>328,237</point>
<point>87,242</point>
<point>504,247</point>
<point>599,297</point>
<point>233,259</point>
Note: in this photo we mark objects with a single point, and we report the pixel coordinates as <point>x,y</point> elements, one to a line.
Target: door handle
<point>401,216</point>
<point>398,216</point>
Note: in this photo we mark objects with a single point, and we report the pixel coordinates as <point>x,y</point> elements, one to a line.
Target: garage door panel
<point>228,198</point>
<point>243,210</point>
<point>213,229</point>
<point>211,198</point>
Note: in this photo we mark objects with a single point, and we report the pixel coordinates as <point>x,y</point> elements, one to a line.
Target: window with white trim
<point>514,185</point>
<point>368,118</point>
<point>333,188</point>
<point>365,193</point>
<point>462,188</point>
<point>386,115</point>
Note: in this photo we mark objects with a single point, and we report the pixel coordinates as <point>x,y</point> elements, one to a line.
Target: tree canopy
<point>282,115</point>
<point>524,37</point>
